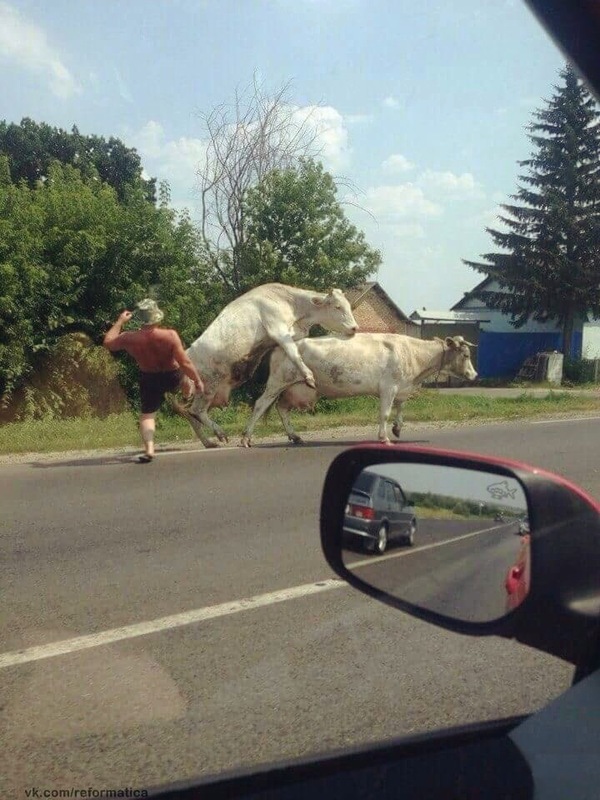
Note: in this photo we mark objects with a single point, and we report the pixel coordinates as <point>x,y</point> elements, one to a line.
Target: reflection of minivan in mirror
<point>378,512</point>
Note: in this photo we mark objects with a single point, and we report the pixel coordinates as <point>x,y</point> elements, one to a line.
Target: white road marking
<point>555,421</point>
<point>66,646</point>
<point>414,550</point>
<point>163,623</point>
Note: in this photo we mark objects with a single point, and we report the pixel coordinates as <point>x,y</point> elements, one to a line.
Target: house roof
<point>430,315</point>
<point>356,295</point>
<point>469,295</point>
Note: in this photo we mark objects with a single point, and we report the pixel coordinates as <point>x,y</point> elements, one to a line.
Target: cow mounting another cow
<point>231,348</point>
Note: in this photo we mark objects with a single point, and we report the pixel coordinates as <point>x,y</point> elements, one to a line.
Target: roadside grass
<point>120,430</point>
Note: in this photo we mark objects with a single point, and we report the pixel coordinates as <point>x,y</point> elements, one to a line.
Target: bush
<point>578,370</point>
<point>75,379</point>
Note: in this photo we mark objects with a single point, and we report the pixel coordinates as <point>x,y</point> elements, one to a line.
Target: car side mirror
<point>484,546</point>
<point>445,550</point>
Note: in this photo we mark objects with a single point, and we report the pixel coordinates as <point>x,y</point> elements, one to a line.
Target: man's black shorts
<point>153,386</point>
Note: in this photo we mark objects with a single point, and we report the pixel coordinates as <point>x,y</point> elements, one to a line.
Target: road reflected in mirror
<point>449,540</point>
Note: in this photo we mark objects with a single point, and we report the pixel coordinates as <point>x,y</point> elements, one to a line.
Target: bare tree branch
<point>254,135</point>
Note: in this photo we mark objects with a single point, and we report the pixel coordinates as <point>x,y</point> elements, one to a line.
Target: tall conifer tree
<point>550,264</point>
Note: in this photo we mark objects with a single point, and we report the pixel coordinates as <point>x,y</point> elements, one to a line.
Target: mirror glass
<point>454,541</point>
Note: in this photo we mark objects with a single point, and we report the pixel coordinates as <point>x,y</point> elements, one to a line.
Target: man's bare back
<point>154,349</point>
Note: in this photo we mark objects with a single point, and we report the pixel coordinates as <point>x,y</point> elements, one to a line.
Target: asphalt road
<point>216,637</point>
<point>456,567</point>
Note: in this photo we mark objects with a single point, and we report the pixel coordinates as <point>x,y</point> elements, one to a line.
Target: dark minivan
<point>378,512</point>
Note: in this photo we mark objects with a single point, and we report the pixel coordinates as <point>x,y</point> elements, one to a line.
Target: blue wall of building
<point>502,354</point>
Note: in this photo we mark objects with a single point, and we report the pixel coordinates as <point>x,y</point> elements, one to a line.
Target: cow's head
<point>457,358</point>
<point>333,312</point>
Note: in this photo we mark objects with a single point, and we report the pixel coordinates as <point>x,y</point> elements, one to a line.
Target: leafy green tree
<point>31,148</point>
<point>22,277</point>
<point>297,232</point>
<point>72,255</point>
<point>549,267</point>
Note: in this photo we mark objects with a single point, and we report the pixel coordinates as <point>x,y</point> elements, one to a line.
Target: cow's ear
<point>450,342</point>
<point>317,301</point>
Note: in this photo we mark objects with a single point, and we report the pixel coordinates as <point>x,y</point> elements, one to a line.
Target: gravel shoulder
<point>341,434</point>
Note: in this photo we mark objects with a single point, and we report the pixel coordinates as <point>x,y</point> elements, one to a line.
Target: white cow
<point>387,365</point>
<point>231,348</point>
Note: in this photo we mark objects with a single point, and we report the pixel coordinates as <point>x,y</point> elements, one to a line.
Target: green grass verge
<point>120,430</point>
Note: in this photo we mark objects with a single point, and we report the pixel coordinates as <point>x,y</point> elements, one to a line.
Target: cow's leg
<point>289,346</point>
<point>284,416</point>
<point>193,419</point>
<point>398,419</point>
<point>197,416</point>
<point>199,410</point>
<point>262,405</point>
<point>387,396</point>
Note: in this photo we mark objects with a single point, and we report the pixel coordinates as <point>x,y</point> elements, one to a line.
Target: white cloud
<point>397,163</point>
<point>409,230</point>
<point>450,183</point>
<point>390,204</point>
<point>25,44</point>
<point>391,102</point>
<point>122,87</point>
<point>358,119</point>
<point>331,134</point>
<point>174,160</point>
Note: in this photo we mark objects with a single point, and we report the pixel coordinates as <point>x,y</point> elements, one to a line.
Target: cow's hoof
<point>396,431</point>
<point>296,440</point>
<point>245,442</point>
<point>211,444</point>
<point>309,380</point>
<point>384,441</point>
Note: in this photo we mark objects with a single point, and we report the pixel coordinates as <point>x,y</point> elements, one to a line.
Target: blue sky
<point>422,105</point>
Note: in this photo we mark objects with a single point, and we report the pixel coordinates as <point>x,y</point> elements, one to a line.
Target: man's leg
<point>147,426</point>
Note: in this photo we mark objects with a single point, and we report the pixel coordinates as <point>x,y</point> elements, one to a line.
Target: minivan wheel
<point>410,536</point>
<point>381,542</point>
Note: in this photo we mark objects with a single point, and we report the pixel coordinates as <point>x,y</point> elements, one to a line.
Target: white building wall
<point>500,323</point>
<point>590,346</point>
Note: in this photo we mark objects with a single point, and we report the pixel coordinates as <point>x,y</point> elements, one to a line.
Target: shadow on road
<point>331,443</point>
<point>98,461</point>
<point>113,460</point>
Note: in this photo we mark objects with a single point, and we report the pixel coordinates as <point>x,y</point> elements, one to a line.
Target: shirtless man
<point>162,361</point>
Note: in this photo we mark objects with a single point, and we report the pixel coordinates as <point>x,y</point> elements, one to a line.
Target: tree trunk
<point>567,334</point>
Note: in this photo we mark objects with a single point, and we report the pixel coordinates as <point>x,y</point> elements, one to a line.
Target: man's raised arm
<point>111,337</point>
